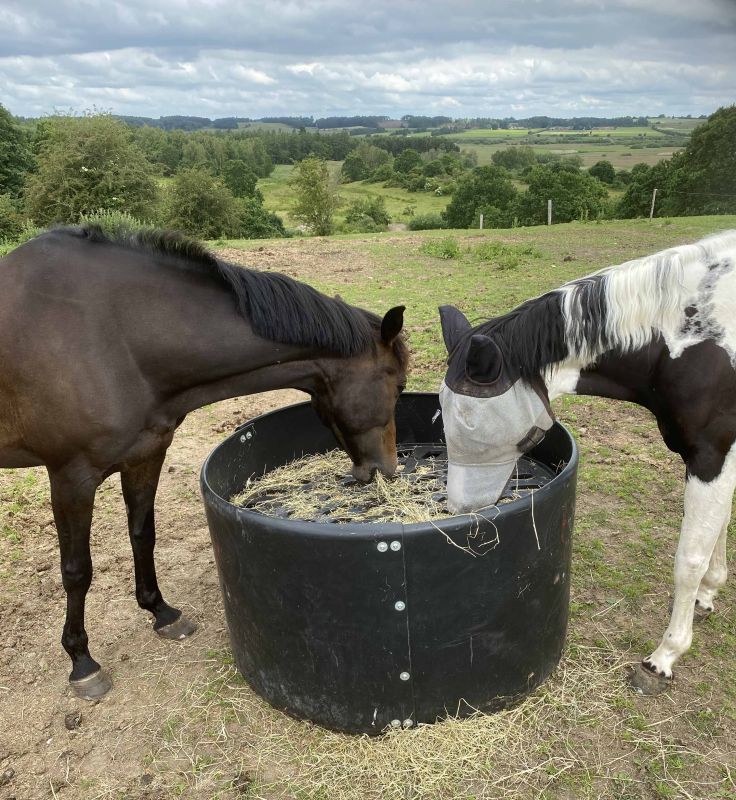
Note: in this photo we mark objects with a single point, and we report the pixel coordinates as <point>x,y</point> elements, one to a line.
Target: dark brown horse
<point>106,345</point>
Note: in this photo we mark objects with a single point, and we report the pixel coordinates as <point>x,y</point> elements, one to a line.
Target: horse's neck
<point>619,376</point>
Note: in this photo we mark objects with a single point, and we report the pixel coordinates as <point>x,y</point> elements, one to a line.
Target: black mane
<point>534,335</point>
<point>278,307</point>
<point>531,336</point>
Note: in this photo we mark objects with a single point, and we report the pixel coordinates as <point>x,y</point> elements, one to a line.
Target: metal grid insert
<point>424,466</point>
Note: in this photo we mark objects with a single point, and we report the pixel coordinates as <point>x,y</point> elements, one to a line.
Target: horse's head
<point>358,399</point>
<point>491,415</point>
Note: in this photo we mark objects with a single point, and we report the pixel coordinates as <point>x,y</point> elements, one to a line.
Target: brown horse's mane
<point>278,307</point>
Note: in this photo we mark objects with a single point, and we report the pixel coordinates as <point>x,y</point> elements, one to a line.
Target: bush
<point>11,220</point>
<point>504,256</point>
<point>374,208</point>
<point>444,248</point>
<point>426,222</point>
<point>84,164</point>
<point>113,223</point>
<point>202,206</point>
<point>256,222</point>
<point>28,232</point>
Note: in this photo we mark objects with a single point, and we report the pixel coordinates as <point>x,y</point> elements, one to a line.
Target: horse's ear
<point>392,323</point>
<point>454,325</point>
<point>337,297</point>
<point>484,362</point>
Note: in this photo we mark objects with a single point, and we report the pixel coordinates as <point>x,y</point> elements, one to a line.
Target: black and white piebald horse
<point>659,331</point>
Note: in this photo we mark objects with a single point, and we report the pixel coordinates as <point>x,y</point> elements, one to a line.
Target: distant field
<point>616,133</point>
<point>620,155</point>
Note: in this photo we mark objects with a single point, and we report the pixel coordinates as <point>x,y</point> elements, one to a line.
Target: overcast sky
<point>496,58</point>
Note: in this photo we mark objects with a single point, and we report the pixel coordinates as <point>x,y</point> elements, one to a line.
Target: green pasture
<point>622,156</point>
<point>279,197</point>
<point>583,735</point>
<point>614,133</point>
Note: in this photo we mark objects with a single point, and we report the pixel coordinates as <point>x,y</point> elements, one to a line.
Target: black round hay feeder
<point>362,626</point>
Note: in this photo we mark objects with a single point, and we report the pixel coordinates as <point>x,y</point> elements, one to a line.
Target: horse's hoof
<point>644,681</point>
<point>178,630</point>
<point>93,687</point>
<point>701,612</point>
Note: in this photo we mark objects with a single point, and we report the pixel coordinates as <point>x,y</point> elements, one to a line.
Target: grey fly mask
<point>490,414</point>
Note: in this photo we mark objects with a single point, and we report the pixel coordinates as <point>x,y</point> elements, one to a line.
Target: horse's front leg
<point>707,510</point>
<point>139,484</point>
<point>72,498</point>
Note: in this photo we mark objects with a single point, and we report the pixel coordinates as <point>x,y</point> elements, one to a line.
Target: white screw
<point>405,676</point>
<point>399,605</point>
<point>382,547</point>
<point>395,546</point>
<point>395,723</point>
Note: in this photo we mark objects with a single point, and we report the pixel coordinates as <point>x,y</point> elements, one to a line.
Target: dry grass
<point>223,741</point>
<point>307,486</point>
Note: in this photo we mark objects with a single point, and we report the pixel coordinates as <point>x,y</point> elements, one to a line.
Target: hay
<point>320,488</point>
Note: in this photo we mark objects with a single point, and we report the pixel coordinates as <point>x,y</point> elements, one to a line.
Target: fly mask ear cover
<point>491,417</point>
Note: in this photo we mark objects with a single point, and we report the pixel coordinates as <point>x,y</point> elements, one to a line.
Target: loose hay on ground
<point>550,742</point>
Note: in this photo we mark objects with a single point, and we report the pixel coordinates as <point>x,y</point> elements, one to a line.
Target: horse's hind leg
<point>139,485</point>
<point>714,578</point>
<point>707,510</point>
<point>72,497</point>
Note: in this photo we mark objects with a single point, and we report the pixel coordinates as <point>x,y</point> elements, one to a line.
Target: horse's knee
<point>76,575</point>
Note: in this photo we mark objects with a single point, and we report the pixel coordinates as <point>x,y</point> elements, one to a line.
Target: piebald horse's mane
<point>618,308</point>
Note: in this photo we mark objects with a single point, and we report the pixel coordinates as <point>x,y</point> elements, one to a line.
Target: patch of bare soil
<point>52,744</point>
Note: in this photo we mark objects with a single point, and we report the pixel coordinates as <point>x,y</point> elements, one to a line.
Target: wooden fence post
<point>549,212</point>
<point>651,210</point>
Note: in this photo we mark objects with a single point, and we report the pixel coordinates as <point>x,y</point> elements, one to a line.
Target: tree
<point>487,190</point>
<point>15,154</point>
<point>574,195</point>
<point>703,178</point>
<point>85,164</point>
<point>643,180</point>
<point>240,179</point>
<point>515,158</point>
<point>407,160</point>
<point>604,171</point>
<point>202,206</point>
<point>361,162</point>
<point>316,199</point>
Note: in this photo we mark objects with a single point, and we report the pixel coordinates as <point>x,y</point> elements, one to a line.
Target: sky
<point>459,58</point>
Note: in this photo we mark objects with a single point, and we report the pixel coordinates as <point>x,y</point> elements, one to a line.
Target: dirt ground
<point>39,756</point>
<point>177,723</point>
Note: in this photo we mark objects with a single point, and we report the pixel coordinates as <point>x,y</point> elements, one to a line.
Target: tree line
<point>69,168</point>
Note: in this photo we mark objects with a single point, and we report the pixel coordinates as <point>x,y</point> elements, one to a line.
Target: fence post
<point>651,210</point>
<point>549,212</point>
<point>481,221</point>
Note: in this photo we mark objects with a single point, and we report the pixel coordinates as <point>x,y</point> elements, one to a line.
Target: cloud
<point>472,57</point>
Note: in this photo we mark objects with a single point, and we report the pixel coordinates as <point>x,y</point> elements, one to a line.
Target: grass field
<point>613,133</point>
<point>181,723</point>
<point>622,156</point>
<point>279,197</point>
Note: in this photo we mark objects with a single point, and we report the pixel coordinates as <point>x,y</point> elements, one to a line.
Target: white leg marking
<point>707,509</point>
<point>716,574</point>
